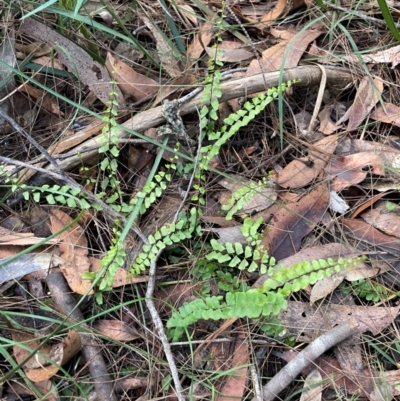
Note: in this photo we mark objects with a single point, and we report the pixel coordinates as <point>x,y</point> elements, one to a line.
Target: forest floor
<point>199,200</point>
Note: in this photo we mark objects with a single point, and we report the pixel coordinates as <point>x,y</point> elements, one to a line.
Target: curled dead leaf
<point>299,173</point>
<point>73,249</point>
<point>46,362</point>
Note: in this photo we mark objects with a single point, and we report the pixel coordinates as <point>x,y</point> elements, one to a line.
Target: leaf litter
<point>299,222</point>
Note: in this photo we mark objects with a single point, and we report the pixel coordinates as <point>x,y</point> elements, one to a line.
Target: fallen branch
<point>315,349</point>
<point>309,75</point>
<point>61,294</point>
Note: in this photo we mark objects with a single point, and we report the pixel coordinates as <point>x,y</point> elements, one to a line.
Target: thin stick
<point>196,163</point>
<point>150,291</point>
<point>160,328</point>
<point>256,383</point>
<point>18,163</point>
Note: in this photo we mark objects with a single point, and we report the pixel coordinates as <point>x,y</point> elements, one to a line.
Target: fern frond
<point>266,301</point>
<point>239,256</point>
<point>252,303</point>
<point>240,197</point>
<point>151,192</point>
<point>240,119</point>
<point>167,235</point>
<point>286,280</point>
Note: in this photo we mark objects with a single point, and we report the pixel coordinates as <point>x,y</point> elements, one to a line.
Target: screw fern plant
<point>265,302</point>
<point>188,224</point>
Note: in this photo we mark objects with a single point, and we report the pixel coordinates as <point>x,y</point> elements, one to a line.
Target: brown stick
<point>321,344</point>
<point>62,297</point>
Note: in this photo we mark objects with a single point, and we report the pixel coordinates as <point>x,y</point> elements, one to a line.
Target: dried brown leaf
<point>291,224</point>
<point>366,98</point>
<point>188,12</point>
<point>390,157</point>
<point>77,61</point>
<point>273,57</point>
<point>324,287</point>
<point>131,83</point>
<point>361,272</point>
<point>8,237</point>
<point>36,49</point>
<point>358,384</point>
<point>384,217</point>
<point>130,383</point>
<point>390,114</point>
<point>74,250</point>
<point>350,170</point>
<point>270,17</point>
<point>299,173</point>
<point>47,61</point>
<point>327,126</point>
<point>308,322</point>
<point>312,387</point>
<point>116,329</point>
<point>40,368</point>
<point>230,52</point>
<point>200,41</point>
<point>391,55</point>
<point>230,234</point>
<point>364,232</point>
<point>169,61</point>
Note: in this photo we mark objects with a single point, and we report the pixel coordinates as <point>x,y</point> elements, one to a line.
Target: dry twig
<point>160,329</point>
